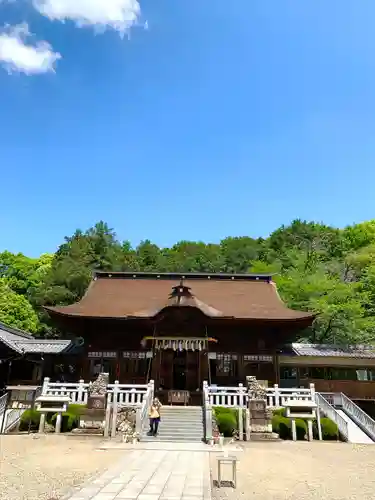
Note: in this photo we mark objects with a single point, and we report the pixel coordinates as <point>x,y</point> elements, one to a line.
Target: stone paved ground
<point>43,467</point>
<point>301,471</point>
<point>152,475</point>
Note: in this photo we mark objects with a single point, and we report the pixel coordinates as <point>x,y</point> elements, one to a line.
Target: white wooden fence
<point>237,397</point>
<point>138,396</point>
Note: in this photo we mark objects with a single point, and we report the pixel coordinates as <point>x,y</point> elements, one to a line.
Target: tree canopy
<point>317,268</point>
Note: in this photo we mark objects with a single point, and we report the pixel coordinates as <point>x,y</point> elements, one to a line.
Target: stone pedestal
<point>96,402</point>
<point>260,421</point>
<point>93,416</point>
<point>260,415</point>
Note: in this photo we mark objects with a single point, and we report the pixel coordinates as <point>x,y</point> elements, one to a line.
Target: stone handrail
<point>126,394</point>
<point>237,397</point>
<point>142,412</point>
<point>3,403</point>
<point>11,418</point>
<point>330,412</point>
<point>278,397</point>
<point>77,391</point>
<point>364,421</point>
<point>231,397</point>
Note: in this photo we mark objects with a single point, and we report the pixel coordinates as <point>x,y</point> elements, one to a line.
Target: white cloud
<point>119,15</point>
<point>18,55</point>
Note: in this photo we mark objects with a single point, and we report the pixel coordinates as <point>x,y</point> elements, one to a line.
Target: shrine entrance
<point>179,370</point>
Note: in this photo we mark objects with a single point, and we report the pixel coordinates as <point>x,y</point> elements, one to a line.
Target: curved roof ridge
<point>125,298</point>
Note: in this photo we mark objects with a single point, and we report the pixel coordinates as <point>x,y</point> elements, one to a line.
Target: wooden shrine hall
<point>180,329</point>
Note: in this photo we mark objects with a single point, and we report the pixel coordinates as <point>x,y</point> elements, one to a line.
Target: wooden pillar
<point>204,371</point>
<point>240,365</point>
<point>276,368</point>
<point>154,372</point>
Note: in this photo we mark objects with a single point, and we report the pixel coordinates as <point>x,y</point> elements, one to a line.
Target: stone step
<point>170,439</point>
<point>182,409</point>
<point>168,430</point>
<point>184,423</point>
<point>181,425</point>
<point>181,413</point>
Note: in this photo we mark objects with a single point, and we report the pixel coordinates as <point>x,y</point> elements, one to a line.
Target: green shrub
<point>276,423</point>
<point>70,418</point>
<point>222,410</point>
<point>227,423</point>
<point>29,418</point>
<point>330,430</point>
<point>301,428</point>
<point>280,412</point>
<point>228,413</point>
<point>284,428</point>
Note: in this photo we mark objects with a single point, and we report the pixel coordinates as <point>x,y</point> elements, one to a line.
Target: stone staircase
<point>178,424</point>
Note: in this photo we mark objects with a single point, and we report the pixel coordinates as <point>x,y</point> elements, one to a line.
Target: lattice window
<point>102,354</point>
<point>226,364</point>
<point>136,362</point>
<point>134,354</point>
<point>257,357</point>
<point>95,354</point>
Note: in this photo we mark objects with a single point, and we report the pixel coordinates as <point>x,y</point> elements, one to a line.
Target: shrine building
<point>181,329</point>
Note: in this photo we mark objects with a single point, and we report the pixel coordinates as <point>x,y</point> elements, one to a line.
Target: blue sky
<point>214,119</point>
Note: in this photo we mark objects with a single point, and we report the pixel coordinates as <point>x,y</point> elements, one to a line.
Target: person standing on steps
<point>154,414</point>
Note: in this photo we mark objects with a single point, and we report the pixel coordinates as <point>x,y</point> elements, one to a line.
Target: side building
<point>24,359</point>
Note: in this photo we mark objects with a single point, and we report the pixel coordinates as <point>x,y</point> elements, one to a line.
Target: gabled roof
<point>332,350</point>
<point>144,295</point>
<point>24,343</point>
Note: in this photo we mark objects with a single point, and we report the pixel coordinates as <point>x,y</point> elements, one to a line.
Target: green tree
<point>15,310</point>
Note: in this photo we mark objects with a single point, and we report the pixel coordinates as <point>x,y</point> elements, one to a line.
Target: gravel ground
<point>301,471</point>
<point>46,467</point>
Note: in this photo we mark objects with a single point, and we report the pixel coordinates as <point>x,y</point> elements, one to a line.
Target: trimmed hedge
<point>301,428</point>
<point>280,412</point>
<point>70,418</point>
<point>227,420</point>
<point>330,431</point>
<point>29,418</point>
<point>283,427</point>
<point>276,419</point>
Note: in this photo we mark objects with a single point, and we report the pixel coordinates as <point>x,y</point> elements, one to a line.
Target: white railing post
<point>45,385</point>
<point>152,389</point>
<point>42,422</point>
<point>107,423</point>
<point>277,395</point>
<point>139,420</point>
<point>207,412</point>
<point>318,423</point>
<point>247,424</point>
<point>114,408</point>
<point>312,392</point>
<point>81,392</point>
<point>241,396</point>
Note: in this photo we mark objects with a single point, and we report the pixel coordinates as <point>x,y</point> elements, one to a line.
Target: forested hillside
<point>319,268</point>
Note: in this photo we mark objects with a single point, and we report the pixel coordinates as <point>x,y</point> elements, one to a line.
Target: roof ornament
<point>180,291</point>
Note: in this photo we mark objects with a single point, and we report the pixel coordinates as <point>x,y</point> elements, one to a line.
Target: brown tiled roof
<point>128,295</point>
<point>334,351</point>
